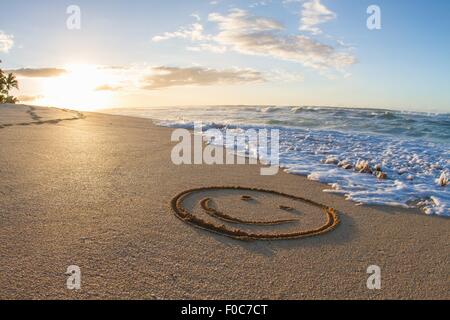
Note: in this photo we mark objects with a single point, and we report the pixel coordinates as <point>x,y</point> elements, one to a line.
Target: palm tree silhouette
<point>11,82</point>
<point>7,83</point>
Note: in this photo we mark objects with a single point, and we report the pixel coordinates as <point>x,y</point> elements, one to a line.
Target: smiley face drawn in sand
<point>253,214</point>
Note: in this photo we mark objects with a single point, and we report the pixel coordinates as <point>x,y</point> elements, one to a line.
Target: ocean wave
<point>412,150</point>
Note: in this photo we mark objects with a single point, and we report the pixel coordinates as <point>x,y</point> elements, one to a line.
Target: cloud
<point>262,36</point>
<point>261,3</point>
<point>245,33</point>
<point>39,72</point>
<point>29,98</point>
<point>314,13</point>
<point>240,20</point>
<point>164,77</point>
<point>6,42</point>
<point>196,16</point>
<point>193,32</point>
<point>107,87</point>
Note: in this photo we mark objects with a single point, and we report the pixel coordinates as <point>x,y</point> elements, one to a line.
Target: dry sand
<point>96,193</point>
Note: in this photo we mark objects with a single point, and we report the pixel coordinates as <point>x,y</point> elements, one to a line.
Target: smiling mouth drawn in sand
<point>251,213</point>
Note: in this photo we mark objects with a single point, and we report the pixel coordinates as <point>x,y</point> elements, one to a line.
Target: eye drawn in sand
<point>253,214</point>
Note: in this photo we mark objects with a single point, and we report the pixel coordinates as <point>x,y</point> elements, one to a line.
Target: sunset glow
<point>77,88</point>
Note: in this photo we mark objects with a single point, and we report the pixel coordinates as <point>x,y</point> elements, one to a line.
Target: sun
<point>77,89</point>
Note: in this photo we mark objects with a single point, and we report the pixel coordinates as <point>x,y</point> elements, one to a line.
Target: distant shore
<point>95,190</point>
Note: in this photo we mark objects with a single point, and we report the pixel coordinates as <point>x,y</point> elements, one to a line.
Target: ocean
<point>412,148</point>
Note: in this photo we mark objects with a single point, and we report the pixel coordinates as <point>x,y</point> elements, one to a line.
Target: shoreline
<point>96,192</point>
<point>327,186</point>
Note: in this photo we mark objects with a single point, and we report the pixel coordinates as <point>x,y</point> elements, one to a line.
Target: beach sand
<point>96,192</point>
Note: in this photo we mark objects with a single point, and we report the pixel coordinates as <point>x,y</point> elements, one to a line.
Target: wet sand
<point>96,191</point>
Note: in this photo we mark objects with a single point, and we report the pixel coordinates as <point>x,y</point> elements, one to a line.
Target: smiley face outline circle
<point>184,215</point>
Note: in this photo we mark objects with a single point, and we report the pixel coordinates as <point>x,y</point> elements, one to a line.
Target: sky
<point>140,53</point>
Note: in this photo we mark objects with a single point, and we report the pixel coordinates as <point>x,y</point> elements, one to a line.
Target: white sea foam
<point>412,149</point>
